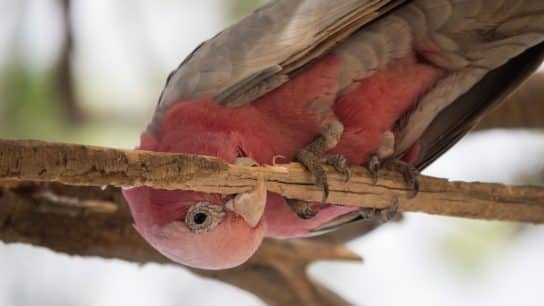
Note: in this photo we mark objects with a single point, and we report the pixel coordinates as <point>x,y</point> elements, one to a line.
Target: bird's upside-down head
<point>206,231</point>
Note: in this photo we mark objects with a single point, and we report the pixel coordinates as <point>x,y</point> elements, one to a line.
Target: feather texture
<point>258,53</point>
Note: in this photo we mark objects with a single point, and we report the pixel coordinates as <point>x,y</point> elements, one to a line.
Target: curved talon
<point>392,212</point>
<point>325,186</point>
<point>415,189</point>
<point>310,156</point>
<point>340,163</point>
<point>381,215</point>
<point>311,162</point>
<point>409,174</point>
<point>373,166</point>
<point>302,208</point>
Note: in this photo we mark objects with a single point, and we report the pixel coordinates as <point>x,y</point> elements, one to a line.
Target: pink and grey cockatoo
<point>354,80</point>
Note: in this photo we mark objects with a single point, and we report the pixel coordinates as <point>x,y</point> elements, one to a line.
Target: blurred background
<point>90,72</point>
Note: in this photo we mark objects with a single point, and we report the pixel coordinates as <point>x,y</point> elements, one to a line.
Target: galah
<point>342,80</point>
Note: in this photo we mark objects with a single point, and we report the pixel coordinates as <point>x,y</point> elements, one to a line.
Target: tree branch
<point>93,166</point>
<point>523,109</point>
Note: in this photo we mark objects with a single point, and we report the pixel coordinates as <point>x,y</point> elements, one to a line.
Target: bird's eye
<point>203,217</point>
<point>200,218</point>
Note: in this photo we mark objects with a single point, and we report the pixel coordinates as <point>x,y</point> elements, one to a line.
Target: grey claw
<point>392,212</point>
<point>312,163</point>
<point>340,163</point>
<point>302,209</point>
<point>409,174</point>
<point>325,186</point>
<point>381,215</point>
<point>373,165</point>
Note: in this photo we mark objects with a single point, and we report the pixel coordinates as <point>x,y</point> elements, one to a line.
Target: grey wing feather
<point>474,37</point>
<point>258,53</point>
<point>461,116</point>
<point>258,82</point>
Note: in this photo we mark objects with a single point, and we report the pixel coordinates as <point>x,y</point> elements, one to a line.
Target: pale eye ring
<point>203,217</point>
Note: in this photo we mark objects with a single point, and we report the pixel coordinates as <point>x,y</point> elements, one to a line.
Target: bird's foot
<point>314,164</point>
<point>386,150</point>
<point>373,166</point>
<point>311,161</point>
<point>303,209</point>
<point>409,172</point>
<point>381,215</point>
<point>311,156</point>
<point>341,164</point>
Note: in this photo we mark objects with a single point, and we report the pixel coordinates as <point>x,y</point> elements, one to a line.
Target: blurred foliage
<point>472,244</point>
<point>534,178</point>
<point>239,8</point>
<point>30,109</point>
<point>29,103</point>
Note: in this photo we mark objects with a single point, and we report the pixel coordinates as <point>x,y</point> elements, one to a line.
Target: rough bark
<point>93,166</point>
<point>90,221</point>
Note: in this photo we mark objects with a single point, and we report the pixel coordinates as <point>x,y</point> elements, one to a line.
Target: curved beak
<point>250,205</point>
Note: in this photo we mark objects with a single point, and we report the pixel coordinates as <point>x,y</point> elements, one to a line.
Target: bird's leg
<point>386,150</point>
<point>373,166</point>
<point>409,173</point>
<point>303,208</point>
<point>383,159</point>
<point>381,215</point>
<point>311,156</point>
<point>340,163</point>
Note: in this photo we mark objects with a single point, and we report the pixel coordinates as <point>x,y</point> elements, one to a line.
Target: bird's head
<point>200,230</point>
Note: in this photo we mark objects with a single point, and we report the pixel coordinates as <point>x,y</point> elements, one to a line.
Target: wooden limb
<point>93,166</point>
<point>523,109</point>
<point>65,219</point>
